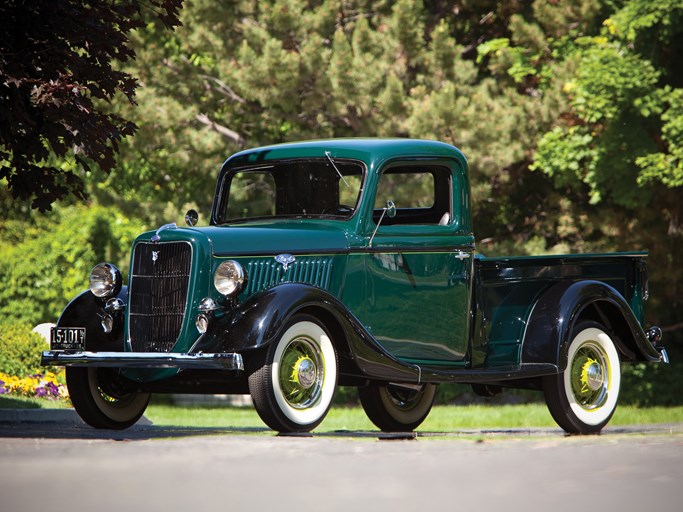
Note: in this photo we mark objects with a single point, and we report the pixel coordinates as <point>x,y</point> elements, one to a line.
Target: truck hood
<point>276,238</point>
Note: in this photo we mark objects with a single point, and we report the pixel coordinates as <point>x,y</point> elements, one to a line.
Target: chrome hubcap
<point>404,398</point>
<point>301,373</point>
<point>305,372</point>
<point>590,376</point>
<point>594,377</point>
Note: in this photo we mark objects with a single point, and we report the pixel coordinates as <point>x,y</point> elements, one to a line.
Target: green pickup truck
<point>349,263</point>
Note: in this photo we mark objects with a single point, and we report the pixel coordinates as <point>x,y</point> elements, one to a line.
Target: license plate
<point>67,338</point>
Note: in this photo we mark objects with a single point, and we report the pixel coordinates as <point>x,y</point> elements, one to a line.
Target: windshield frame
<point>227,174</point>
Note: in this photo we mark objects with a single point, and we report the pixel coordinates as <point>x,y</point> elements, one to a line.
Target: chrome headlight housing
<point>229,278</point>
<point>105,281</point>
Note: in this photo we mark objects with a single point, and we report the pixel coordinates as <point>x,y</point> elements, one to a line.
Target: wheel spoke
<point>301,373</point>
<point>583,397</point>
<point>589,377</point>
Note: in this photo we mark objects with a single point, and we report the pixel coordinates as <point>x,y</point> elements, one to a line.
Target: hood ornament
<point>285,260</point>
<point>156,237</point>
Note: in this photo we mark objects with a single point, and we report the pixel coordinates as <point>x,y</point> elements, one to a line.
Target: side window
<point>406,189</point>
<point>422,195</point>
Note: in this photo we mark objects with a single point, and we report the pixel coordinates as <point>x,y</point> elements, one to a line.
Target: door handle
<point>462,255</point>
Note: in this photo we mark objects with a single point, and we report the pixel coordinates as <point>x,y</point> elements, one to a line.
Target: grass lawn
<point>15,402</point>
<point>443,418</point>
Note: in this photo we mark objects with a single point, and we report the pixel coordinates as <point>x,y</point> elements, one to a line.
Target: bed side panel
<point>507,290</point>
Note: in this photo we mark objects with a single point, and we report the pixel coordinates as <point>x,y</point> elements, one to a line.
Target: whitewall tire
<point>583,398</point>
<point>293,390</point>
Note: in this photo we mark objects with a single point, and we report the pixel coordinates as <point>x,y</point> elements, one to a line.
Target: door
<point>419,266</point>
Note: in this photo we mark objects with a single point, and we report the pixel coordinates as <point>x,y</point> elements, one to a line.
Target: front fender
<point>257,321</point>
<point>260,320</point>
<point>86,310</point>
<point>558,310</point>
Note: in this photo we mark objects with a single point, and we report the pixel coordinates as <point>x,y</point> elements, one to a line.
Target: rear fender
<point>558,310</point>
<point>86,310</point>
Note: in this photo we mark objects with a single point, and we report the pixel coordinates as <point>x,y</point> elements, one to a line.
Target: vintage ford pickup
<point>352,263</point>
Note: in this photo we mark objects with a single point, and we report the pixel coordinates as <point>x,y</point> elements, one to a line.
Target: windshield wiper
<point>329,157</point>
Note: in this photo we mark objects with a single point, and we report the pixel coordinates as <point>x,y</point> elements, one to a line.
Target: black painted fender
<point>259,321</point>
<point>558,310</point>
<point>86,310</point>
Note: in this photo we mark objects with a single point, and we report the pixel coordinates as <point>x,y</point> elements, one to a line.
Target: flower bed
<point>42,385</point>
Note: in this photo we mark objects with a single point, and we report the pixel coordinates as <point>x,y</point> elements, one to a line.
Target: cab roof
<point>373,151</point>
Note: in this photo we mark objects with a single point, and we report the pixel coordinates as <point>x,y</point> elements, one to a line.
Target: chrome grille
<point>160,277</point>
<point>265,273</point>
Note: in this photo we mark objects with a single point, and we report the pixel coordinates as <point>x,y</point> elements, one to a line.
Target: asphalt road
<point>68,466</point>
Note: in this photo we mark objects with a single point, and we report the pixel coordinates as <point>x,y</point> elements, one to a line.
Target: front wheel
<point>293,389</point>
<point>583,398</point>
<point>100,399</point>
<point>396,408</point>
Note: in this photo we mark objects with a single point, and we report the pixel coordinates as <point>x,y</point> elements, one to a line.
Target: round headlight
<point>105,281</point>
<point>229,278</point>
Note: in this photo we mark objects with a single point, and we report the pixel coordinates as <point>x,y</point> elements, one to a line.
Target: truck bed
<point>507,289</point>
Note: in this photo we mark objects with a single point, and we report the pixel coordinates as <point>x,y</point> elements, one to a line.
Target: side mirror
<point>191,217</point>
<point>390,211</point>
<point>390,208</point>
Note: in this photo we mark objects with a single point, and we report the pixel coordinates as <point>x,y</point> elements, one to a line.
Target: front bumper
<point>216,361</point>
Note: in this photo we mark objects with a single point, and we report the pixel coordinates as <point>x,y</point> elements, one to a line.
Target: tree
<point>246,73</point>
<point>620,138</point>
<point>58,69</point>
<point>623,128</point>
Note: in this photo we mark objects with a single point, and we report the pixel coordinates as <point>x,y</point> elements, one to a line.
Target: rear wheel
<point>396,408</point>
<point>101,401</point>
<point>583,398</point>
<point>293,389</point>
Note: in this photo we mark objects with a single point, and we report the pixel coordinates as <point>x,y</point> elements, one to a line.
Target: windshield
<point>302,188</point>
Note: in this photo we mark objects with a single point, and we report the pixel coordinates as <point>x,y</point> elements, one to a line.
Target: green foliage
<point>20,350</point>
<point>662,166</point>
<point>51,263</point>
<point>622,112</point>
<point>648,385</point>
<point>493,46</point>
<point>646,22</point>
<point>611,83</point>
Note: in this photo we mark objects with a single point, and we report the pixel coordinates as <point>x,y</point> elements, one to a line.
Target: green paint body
<point>419,290</point>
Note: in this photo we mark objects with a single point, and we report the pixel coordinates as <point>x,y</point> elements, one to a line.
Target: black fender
<point>558,310</point>
<point>259,321</point>
<point>86,310</point>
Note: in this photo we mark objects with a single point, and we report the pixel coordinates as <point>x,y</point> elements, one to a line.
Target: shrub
<point>47,263</point>
<point>651,384</point>
<point>20,350</point>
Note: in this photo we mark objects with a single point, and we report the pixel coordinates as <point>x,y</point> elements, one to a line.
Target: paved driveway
<point>55,467</point>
